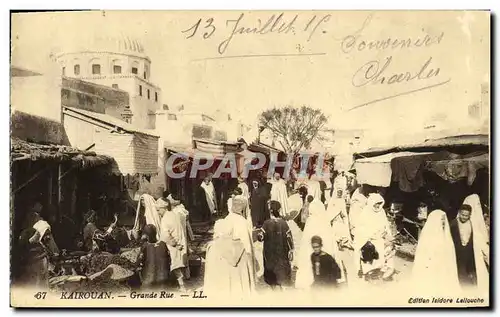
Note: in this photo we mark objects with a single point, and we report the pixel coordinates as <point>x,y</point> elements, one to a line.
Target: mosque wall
<point>120,71</point>
<point>36,108</point>
<point>84,64</point>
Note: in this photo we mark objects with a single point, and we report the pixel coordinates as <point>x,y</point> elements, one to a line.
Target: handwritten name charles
<point>373,72</point>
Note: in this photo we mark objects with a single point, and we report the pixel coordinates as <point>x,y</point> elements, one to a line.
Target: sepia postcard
<point>250,159</point>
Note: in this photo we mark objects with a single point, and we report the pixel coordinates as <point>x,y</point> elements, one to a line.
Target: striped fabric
<point>216,149</point>
<point>213,149</point>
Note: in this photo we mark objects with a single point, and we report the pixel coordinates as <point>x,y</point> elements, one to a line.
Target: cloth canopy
<point>377,171</point>
<point>457,167</point>
<point>406,168</point>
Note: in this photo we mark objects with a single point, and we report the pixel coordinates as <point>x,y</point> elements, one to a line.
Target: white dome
<point>121,44</point>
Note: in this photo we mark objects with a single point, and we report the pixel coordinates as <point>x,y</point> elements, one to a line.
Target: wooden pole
<point>50,185</point>
<point>74,189</point>
<point>29,180</point>
<point>13,184</point>
<point>60,189</point>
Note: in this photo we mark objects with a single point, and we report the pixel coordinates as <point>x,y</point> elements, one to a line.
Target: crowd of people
<point>333,240</point>
<point>310,237</point>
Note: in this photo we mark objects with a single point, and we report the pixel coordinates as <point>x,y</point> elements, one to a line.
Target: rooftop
<point>25,150</point>
<point>109,120</point>
<point>115,43</point>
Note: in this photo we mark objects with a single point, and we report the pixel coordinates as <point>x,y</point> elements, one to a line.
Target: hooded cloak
<point>435,266</point>
<point>150,213</point>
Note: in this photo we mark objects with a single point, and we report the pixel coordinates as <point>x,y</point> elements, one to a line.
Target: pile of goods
<point>134,244</point>
<point>95,271</point>
<point>94,263</point>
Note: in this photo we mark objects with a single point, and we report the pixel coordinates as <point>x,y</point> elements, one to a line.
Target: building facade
<point>120,63</point>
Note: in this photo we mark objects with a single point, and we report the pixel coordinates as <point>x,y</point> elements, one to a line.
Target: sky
<point>190,71</point>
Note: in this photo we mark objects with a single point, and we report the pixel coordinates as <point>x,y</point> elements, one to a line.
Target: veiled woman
<point>318,224</point>
<point>337,215</point>
<point>146,214</point>
<point>435,267</point>
<point>357,204</point>
<point>314,187</point>
<point>372,229</point>
<point>337,210</point>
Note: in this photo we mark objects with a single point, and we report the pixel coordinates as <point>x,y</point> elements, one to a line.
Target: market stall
<point>419,178</point>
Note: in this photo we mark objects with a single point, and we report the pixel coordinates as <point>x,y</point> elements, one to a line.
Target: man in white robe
<point>210,194</point>
<point>238,192</point>
<point>230,270</point>
<point>173,233</point>
<point>314,188</point>
<point>279,193</point>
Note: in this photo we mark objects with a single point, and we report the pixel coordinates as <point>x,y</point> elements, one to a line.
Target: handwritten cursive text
<point>275,24</point>
<point>376,73</point>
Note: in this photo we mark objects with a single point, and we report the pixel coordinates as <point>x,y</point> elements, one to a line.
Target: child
<point>154,259</point>
<point>326,271</point>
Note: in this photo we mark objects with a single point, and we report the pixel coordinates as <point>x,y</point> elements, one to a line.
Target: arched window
<point>64,71</point>
<point>76,69</point>
<point>146,71</point>
<point>149,94</point>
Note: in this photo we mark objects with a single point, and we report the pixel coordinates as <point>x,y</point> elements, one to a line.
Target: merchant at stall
<point>37,247</point>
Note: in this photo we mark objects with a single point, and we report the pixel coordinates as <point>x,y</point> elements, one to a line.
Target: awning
<point>263,148</point>
<point>458,167</point>
<point>475,141</point>
<point>377,171</point>
<point>216,149</point>
<point>406,168</point>
<point>24,150</point>
<point>207,149</point>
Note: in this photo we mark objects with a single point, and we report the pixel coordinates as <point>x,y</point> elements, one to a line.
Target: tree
<point>295,128</point>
